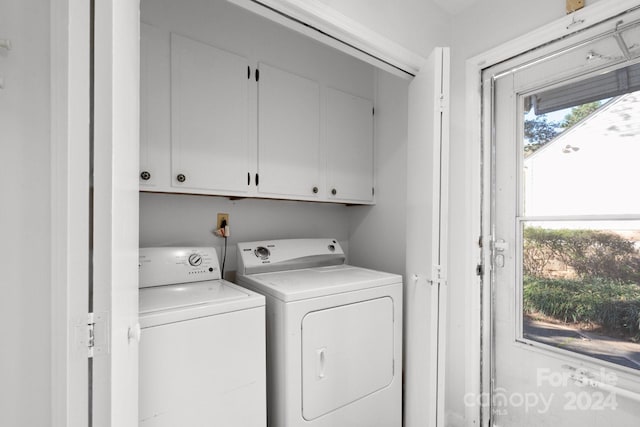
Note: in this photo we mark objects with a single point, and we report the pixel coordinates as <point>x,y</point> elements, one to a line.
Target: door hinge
<point>437,275</point>
<point>443,102</point>
<point>94,336</point>
<point>479,270</point>
<point>91,334</point>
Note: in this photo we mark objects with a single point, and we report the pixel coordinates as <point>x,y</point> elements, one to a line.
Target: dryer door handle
<point>322,360</point>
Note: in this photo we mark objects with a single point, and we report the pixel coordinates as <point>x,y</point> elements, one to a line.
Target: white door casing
<point>425,288</point>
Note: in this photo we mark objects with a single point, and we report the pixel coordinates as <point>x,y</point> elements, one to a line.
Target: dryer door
<point>347,354</point>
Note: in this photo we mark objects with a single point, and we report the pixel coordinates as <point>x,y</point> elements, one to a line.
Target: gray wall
<point>377,233</point>
<point>179,219</point>
<point>25,313</point>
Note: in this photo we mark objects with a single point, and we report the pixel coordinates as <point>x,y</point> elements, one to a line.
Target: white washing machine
<point>334,335</point>
<point>202,346</point>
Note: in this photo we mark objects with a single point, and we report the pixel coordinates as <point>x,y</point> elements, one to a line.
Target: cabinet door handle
<point>257,180</point>
<point>334,191</point>
<point>315,190</point>
<point>248,178</point>
<point>181,178</point>
<point>145,175</point>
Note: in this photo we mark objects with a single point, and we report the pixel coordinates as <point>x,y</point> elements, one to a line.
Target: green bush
<point>615,306</point>
<point>590,253</point>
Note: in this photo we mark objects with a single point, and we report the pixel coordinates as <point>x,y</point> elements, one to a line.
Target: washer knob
<point>262,252</point>
<point>195,260</point>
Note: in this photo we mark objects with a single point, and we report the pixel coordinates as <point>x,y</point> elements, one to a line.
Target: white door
<point>425,290</point>
<point>349,146</point>
<point>209,118</point>
<point>288,134</point>
<point>565,222</point>
<point>113,243</point>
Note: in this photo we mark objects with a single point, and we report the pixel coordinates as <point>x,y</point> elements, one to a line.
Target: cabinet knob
<point>334,191</point>
<point>315,190</point>
<point>145,175</point>
<point>181,178</point>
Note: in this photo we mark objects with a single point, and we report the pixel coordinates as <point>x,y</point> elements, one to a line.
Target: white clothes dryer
<point>334,335</point>
<point>202,346</point>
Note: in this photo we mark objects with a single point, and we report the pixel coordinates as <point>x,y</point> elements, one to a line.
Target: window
<point>579,232</point>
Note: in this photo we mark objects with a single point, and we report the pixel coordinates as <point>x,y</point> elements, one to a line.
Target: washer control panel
<point>168,266</point>
<point>288,254</point>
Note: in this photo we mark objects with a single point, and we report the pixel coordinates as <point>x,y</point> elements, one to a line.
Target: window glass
<point>580,224</point>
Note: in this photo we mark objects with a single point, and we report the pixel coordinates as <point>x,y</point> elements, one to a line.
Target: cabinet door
<point>209,118</point>
<point>155,80</point>
<point>349,144</point>
<point>288,134</point>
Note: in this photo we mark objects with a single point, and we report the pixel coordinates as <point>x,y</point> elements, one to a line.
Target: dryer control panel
<point>288,254</point>
<point>171,265</point>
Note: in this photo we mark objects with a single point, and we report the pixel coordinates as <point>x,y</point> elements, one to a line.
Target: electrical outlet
<point>222,217</point>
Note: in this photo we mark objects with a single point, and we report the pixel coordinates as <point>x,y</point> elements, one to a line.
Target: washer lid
<point>294,285</point>
<point>174,303</point>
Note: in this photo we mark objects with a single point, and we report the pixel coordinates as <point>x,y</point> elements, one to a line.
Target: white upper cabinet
<point>349,145</point>
<point>209,118</point>
<point>155,111</point>
<point>288,134</point>
<point>234,105</point>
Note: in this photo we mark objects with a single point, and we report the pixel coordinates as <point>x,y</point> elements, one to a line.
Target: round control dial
<point>195,260</point>
<point>262,252</point>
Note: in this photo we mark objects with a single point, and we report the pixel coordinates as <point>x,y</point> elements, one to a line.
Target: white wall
<point>25,215</point>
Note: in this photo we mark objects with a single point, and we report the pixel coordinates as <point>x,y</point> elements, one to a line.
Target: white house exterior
<point>590,169</point>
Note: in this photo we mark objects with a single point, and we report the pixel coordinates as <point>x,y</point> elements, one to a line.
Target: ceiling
<point>454,6</point>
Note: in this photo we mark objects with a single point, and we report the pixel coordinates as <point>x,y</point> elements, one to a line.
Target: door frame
<point>115,213</point>
<point>117,169</point>
<point>478,142</point>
